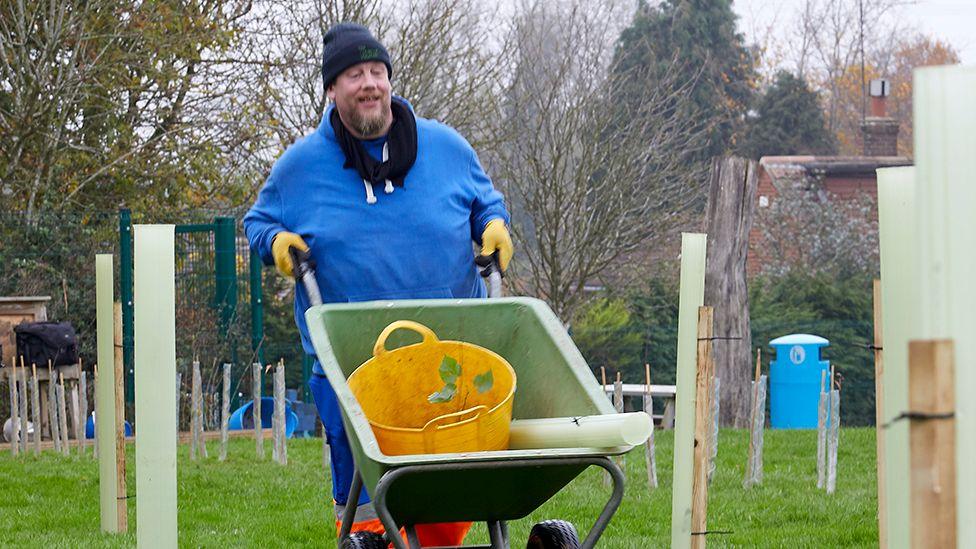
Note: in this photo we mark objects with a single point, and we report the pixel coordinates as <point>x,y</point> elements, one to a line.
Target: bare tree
<point>832,36</point>
<point>587,182</point>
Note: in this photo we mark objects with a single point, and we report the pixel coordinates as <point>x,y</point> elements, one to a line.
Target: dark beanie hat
<point>347,44</point>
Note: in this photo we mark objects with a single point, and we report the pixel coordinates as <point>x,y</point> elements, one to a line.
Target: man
<point>388,203</point>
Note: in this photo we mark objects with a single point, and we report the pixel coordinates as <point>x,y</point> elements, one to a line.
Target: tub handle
<point>424,331</point>
<point>433,425</point>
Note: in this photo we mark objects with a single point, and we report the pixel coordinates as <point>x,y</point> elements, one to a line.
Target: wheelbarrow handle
<point>303,267</point>
<point>491,270</point>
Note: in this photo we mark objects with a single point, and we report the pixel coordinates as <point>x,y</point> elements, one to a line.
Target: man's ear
<point>330,92</point>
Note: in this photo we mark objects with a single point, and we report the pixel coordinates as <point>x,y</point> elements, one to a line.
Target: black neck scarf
<point>401,143</point>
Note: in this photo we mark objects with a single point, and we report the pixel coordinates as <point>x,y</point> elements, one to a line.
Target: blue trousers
<point>335,432</point>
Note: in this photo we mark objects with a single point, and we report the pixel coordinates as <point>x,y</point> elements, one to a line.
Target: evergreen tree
<point>690,46</point>
<point>789,120</point>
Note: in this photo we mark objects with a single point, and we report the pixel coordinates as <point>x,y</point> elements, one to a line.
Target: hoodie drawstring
<point>388,188</point>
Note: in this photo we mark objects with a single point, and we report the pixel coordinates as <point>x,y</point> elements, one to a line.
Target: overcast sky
<point>954,21</point>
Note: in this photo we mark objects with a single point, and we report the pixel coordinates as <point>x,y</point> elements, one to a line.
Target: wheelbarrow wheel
<point>364,540</point>
<point>553,534</point>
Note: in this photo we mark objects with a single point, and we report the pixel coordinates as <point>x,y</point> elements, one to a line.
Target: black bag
<point>39,342</point>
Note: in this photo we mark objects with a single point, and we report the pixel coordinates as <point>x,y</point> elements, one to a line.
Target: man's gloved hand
<point>496,237</point>
<point>279,249</point>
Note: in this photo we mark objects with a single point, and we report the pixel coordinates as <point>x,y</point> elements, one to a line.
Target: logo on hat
<point>367,52</point>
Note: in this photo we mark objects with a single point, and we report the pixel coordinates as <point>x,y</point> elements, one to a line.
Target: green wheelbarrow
<point>496,486</point>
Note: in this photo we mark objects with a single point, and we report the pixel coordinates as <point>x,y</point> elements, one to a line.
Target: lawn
<point>52,501</point>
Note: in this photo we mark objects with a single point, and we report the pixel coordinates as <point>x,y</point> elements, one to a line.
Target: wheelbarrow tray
<point>553,381</point>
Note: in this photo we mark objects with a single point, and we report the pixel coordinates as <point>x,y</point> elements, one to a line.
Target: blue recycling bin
<point>794,381</point>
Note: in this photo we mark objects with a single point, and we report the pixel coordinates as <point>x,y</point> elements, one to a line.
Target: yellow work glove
<point>496,237</point>
<point>279,249</point>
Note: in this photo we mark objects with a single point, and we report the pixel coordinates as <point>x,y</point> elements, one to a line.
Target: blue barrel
<point>243,417</point>
<point>90,427</point>
<point>794,381</point>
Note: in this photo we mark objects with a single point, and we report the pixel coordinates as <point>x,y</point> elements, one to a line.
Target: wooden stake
<point>833,439</point>
<point>275,442</point>
<point>879,432</point>
<point>713,427</point>
<point>95,414</point>
<point>83,401</point>
<point>122,511</point>
<point>199,445</point>
<point>822,410</point>
<point>703,424</point>
<point>24,427</point>
<point>256,409</point>
<point>758,431</point>
<point>280,412</point>
<point>618,404</point>
<point>14,411</point>
<point>649,450</point>
<point>932,436</point>
<point>75,416</point>
<point>36,405</point>
<point>179,402</point>
<point>52,409</point>
<point>224,412</point>
<point>63,415</point>
<point>750,474</point>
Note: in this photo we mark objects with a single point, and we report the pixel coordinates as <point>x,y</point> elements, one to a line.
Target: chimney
<point>880,132</point>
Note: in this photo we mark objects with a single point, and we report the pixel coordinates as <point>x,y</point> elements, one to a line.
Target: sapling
<point>450,372</point>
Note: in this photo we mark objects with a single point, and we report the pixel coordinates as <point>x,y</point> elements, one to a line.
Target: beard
<point>370,125</point>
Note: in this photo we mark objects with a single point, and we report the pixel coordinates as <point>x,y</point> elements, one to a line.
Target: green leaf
<point>450,370</point>
<point>484,381</point>
<point>444,395</point>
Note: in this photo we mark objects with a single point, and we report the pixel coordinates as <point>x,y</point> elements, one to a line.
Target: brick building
<point>842,187</point>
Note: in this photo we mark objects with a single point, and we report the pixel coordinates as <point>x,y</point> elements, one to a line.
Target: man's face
<point>361,94</point>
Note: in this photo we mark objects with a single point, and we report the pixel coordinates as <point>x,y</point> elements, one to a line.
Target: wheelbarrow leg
<point>412,538</point>
<point>497,535</point>
<point>611,507</point>
<point>349,516</point>
<point>379,504</point>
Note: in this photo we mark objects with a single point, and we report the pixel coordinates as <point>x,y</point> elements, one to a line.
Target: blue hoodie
<point>413,243</point>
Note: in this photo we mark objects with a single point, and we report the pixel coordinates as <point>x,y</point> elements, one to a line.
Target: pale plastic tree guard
<point>155,401</point>
<point>899,253</point>
<point>691,297</point>
<point>945,170</point>
<point>105,431</point>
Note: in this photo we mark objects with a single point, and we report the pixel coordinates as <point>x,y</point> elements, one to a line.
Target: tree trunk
<point>731,203</point>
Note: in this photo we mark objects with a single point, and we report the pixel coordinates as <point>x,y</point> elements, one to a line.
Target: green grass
<point>53,501</point>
